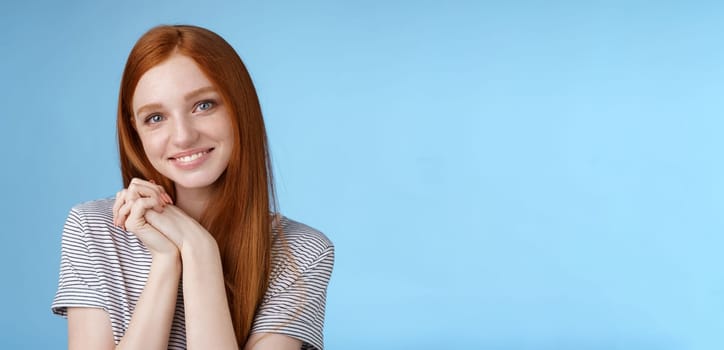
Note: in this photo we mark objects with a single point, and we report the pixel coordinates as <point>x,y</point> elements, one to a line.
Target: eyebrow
<point>189,96</point>
<point>199,91</point>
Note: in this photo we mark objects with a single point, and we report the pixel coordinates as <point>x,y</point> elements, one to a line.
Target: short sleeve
<point>78,281</point>
<point>298,310</point>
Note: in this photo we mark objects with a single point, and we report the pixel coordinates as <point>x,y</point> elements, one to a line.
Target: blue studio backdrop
<point>494,175</point>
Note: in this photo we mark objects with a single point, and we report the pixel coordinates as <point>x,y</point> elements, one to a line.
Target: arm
<point>90,328</point>
<point>271,341</point>
<point>208,320</point>
<point>150,324</point>
<point>297,310</point>
<point>207,316</point>
<point>151,321</point>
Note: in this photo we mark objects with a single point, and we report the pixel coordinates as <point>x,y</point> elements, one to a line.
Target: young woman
<point>191,253</point>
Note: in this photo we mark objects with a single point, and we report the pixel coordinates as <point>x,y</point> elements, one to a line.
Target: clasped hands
<point>146,210</point>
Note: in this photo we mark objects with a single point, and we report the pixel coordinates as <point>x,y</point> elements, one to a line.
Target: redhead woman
<point>191,253</point>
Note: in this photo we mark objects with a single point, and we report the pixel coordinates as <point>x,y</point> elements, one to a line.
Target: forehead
<point>169,81</point>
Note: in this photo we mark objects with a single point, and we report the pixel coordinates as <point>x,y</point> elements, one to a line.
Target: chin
<point>190,184</point>
<point>194,182</point>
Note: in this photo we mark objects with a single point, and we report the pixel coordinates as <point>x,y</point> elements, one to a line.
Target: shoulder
<point>301,240</point>
<point>92,223</point>
<point>294,303</point>
<point>298,250</point>
<point>89,216</point>
<point>299,234</point>
<point>95,209</point>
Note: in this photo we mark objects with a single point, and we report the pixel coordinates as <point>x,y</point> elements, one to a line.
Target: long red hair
<point>239,214</point>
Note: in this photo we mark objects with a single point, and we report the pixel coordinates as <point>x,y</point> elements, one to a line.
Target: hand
<point>129,210</point>
<point>138,189</point>
<point>178,226</point>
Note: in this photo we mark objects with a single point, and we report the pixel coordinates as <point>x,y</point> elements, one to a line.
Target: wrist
<point>199,246</point>
<point>166,261</point>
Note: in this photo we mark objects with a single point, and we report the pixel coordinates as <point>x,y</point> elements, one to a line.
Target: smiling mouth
<point>192,157</point>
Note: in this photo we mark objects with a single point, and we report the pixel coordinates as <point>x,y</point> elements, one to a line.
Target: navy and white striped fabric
<point>105,267</point>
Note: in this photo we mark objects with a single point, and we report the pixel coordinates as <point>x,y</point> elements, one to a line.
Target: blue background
<point>495,175</point>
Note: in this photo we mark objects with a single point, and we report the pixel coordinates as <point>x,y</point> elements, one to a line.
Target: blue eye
<point>154,119</point>
<point>205,105</point>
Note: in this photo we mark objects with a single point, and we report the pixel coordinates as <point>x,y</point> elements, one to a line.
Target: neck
<point>192,201</point>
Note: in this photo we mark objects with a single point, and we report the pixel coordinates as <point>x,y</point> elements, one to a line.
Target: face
<point>183,124</point>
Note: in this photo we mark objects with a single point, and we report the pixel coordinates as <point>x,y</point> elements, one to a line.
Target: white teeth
<point>192,157</point>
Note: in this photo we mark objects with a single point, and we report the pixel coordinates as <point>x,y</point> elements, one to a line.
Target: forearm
<point>208,320</point>
<point>152,318</point>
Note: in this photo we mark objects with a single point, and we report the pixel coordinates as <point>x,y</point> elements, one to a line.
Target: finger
<point>164,194</point>
<point>168,198</point>
<point>145,189</point>
<point>123,212</point>
<point>163,191</point>
<point>166,225</point>
<point>148,189</point>
<point>135,219</point>
<point>138,188</point>
<point>139,181</point>
<point>127,207</point>
<point>117,205</point>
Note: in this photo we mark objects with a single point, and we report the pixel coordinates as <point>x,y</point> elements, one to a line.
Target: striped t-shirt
<point>103,266</point>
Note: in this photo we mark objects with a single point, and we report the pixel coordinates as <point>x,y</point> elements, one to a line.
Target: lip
<point>190,152</point>
<point>194,163</point>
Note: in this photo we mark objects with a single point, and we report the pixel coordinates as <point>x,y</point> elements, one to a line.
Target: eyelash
<point>211,104</point>
<point>148,119</point>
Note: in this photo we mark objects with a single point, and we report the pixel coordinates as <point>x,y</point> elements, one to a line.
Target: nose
<point>184,132</point>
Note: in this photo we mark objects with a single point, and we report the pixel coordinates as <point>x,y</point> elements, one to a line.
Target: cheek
<point>229,136</point>
<point>153,145</point>
<point>222,129</point>
<point>229,127</point>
